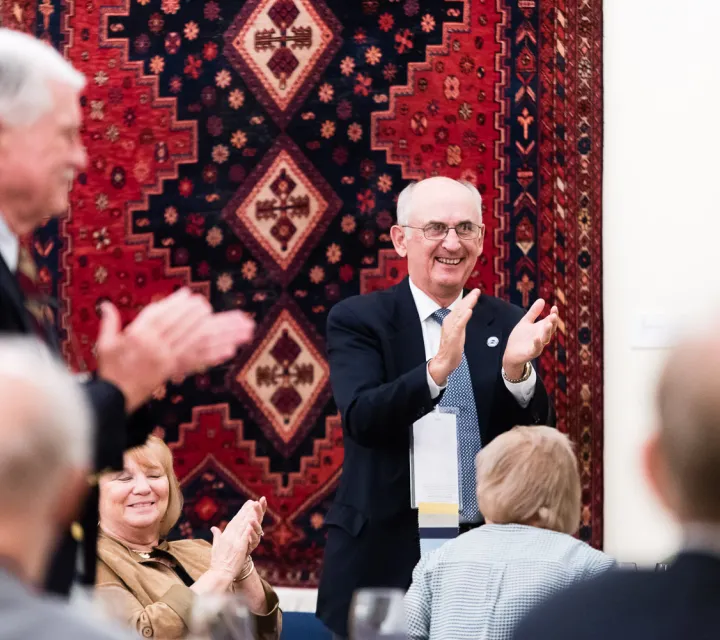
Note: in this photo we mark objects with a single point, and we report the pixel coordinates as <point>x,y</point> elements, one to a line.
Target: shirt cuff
<point>434,388</point>
<point>523,392</point>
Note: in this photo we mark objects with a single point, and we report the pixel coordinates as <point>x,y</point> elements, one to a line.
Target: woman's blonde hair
<point>529,475</point>
<point>152,453</point>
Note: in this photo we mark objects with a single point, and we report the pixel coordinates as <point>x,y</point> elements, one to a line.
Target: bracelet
<point>246,574</point>
<point>525,375</point>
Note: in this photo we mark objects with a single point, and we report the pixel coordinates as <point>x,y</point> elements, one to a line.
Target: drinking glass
<point>378,613</point>
<point>223,616</point>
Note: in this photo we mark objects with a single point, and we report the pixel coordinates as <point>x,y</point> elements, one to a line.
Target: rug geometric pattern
<point>254,151</point>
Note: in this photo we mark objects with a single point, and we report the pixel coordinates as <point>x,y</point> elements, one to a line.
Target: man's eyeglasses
<point>439,230</point>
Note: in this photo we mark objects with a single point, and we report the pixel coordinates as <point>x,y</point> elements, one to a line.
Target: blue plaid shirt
<point>481,584</point>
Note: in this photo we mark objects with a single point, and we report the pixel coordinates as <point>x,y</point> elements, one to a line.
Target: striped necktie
<point>36,302</point>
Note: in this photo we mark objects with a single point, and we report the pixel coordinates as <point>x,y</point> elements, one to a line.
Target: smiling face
<point>440,268</point>
<point>40,160</point>
<point>134,501</point>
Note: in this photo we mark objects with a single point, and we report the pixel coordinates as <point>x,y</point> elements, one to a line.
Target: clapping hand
<point>528,339</point>
<point>176,336</point>
<point>233,546</point>
<point>452,339</point>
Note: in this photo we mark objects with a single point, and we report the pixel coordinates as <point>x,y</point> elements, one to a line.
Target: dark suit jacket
<point>114,434</point>
<point>379,378</point>
<point>682,602</point>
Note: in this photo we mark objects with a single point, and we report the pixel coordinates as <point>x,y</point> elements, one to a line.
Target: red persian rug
<point>254,152</point>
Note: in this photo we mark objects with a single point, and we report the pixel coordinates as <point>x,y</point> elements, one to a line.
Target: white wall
<point>661,229</point>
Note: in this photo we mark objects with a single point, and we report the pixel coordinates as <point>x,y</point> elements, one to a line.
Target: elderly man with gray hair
<point>41,150</point>
<point>397,354</point>
<point>46,434</point>
<point>482,583</point>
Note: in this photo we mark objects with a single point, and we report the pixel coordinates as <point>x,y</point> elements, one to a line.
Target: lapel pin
<point>493,341</point>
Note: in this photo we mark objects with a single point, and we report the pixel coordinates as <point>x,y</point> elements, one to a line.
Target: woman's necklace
<point>142,554</point>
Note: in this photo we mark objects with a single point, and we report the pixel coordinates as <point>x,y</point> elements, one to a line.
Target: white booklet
<point>434,458</point>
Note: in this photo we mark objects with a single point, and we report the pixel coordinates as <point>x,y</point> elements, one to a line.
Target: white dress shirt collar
<point>9,246</point>
<point>426,306</point>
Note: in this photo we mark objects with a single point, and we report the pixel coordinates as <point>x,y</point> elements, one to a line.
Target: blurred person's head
<point>439,264</point>
<point>141,503</point>
<point>41,149</point>
<point>529,476</point>
<point>45,453</point>
<point>682,456</point>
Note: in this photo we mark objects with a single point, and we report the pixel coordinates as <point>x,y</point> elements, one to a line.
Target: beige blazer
<point>150,595</point>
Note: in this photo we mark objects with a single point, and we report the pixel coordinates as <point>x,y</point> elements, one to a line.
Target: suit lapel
<point>13,299</point>
<point>13,302</point>
<point>407,344</point>
<point>483,349</point>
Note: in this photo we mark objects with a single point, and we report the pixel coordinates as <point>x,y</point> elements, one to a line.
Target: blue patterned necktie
<point>459,393</point>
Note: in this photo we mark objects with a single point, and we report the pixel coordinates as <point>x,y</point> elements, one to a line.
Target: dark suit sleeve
<point>544,623</point>
<point>115,432</point>
<point>375,413</point>
<point>570,614</point>
<point>507,413</point>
